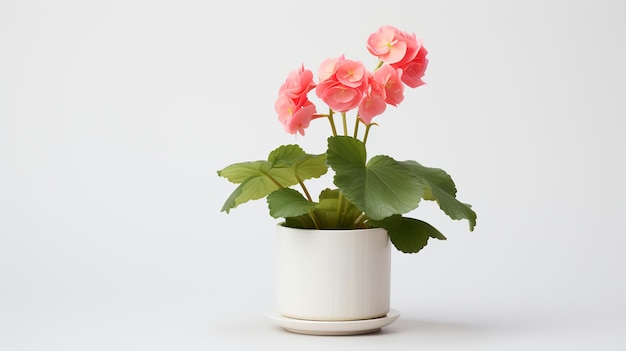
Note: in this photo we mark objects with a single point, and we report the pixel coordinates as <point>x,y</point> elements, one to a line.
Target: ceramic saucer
<point>363,326</point>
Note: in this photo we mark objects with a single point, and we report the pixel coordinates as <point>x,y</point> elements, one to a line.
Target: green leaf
<point>441,188</point>
<point>253,188</point>
<point>286,153</point>
<point>408,235</point>
<point>433,177</point>
<point>301,213</point>
<point>239,172</point>
<point>288,202</point>
<point>304,222</point>
<point>286,166</point>
<point>333,213</point>
<point>232,199</point>
<point>380,188</point>
<point>290,165</point>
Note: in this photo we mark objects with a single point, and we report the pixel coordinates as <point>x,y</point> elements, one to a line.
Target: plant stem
<point>345,123</point>
<point>340,204</point>
<point>332,122</point>
<point>358,222</point>
<point>314,219</point>
<point>273,180</point>
<point>308,196</point>
<point>306,192</point>
<point>356,127</point>
<point>367,132</point>
<point>380,63</point>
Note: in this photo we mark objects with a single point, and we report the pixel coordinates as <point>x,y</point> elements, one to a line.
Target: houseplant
<point>365,193</point>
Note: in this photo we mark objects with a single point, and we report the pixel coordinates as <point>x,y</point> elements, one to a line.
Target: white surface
<point>332,274</point>
<point>334,328</point>
<point>115,116</point>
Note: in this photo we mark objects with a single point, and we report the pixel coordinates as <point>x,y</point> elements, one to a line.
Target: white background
<point>116,115</point>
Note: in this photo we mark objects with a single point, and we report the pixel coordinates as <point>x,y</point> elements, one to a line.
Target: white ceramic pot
<point>333,275</point>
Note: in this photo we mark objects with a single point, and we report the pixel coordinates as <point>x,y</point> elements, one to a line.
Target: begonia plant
<point>366,192</point>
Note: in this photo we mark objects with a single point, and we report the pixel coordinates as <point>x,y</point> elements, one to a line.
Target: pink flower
<point>390,79</point>
<point>385,88</point>
<point>298,83</point>
<point>414,70</point>
<point>338,96</point>
<point>402,51</point>
<point>372,105</point>
<point>328,68</point>
<point>392,45</point>
<point>294,117</point>
<point>343,83</point>
<point>294,109</point>
<point>351,73</point>
<point>300,120</point>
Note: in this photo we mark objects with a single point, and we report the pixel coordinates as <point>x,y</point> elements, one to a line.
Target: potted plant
<point>333,274</point>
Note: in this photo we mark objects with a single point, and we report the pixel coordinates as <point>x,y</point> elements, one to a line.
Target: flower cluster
<point>346,84</point>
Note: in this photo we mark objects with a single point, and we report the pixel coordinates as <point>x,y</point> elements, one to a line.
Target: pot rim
<point>282,225</point>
